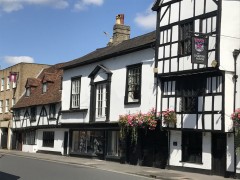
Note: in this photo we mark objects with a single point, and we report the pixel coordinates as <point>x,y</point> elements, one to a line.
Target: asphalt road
<point>21,168</point>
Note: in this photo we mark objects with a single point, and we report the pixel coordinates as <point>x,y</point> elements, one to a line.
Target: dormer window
<point>44,87</point>
<point>28,91</point>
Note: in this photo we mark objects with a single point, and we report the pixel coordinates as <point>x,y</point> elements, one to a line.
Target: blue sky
<point>54,31</point>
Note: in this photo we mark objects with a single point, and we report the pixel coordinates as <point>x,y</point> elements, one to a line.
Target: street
<point>21,168</point>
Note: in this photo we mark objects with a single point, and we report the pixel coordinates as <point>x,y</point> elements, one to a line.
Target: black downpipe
<point>235,77</point>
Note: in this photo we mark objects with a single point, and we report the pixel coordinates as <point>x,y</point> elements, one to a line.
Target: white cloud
<point>83,4</point>
<point>15,5</point>
<point>11,60</point>
<point>146,20</point>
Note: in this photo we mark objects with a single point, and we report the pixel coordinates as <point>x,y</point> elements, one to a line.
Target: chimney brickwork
<point>121,32</point>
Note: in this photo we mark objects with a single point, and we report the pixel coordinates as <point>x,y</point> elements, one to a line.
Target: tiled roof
<point>53,94</point>
<point>127,46</point>
<point>32,82</point>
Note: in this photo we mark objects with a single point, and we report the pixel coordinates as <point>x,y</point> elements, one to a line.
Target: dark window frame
<point>52,111</point>
<point>48,139</point>
<point>192,147</point>
<point>77,78</point>
<point>137,88</point>
<point>185,40</point>
<point>17,114</point>
<point>33,113</point>
<point>29,138</point>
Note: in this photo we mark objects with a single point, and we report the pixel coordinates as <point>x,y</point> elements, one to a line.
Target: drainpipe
<point>235,77</point>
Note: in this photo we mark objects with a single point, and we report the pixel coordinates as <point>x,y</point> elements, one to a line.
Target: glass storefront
<point>113,143</point>
<point>90,142</point>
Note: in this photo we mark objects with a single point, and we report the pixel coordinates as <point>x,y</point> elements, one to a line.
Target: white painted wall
<point>58,140</point>
<point>43,120</point>
<point>117,66</point>
<point>230,33</point>
<point>29,148</point>
<point>176,152</point>
<point>229,86</point>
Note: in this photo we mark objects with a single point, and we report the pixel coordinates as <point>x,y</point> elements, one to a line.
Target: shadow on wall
<point>7,176</point>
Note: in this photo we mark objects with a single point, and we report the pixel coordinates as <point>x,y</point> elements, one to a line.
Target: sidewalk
<point>154,173</point>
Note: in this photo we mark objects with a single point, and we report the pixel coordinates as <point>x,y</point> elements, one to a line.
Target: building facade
<point>37,114</point>
<point>10,92</point>
<point>195,72</point>
<point>97,88</point>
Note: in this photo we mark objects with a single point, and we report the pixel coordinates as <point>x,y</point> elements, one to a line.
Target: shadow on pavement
<point>6,176</point>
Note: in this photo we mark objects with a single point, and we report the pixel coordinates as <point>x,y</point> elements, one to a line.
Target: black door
<point>219,154</point>
<point>4,137</point>
<point>65,143</point>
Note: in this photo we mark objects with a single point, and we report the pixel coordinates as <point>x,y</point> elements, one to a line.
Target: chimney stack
<point>121,32</point>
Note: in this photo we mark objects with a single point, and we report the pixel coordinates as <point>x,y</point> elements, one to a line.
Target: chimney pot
<point>120,19</point>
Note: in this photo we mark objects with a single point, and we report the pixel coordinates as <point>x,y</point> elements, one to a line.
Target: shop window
<point>192,147</point>
<point>133,84</point>
<point>48,139</point>
<point>113,143</point>
<point>88,142</point>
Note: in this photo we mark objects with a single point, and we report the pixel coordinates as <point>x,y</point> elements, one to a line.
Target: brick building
<point>10,92</point>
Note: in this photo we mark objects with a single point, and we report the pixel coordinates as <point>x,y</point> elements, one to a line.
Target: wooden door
<point>219,154</point>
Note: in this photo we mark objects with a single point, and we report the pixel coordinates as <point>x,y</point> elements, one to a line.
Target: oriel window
<point>52,111</point>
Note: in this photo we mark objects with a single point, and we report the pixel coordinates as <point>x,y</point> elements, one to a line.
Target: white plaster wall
<point>230,153</point>
<point>230,33</point>
<point>58,140</point>
<point>229,86</point>
<point>117,66</point>
<point>29,148</point>
<point>176,152</point>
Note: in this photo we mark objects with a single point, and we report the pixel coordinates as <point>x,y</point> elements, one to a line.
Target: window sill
<point>129,103</point>
<point>192,162</point>
<point>74,110</point>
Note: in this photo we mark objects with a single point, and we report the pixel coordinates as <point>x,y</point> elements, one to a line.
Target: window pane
<point>75,93</point>
<point>101,100</point>
<point>133,84</point>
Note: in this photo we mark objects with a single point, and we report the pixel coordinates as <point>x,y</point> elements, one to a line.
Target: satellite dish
<point>214,63</point>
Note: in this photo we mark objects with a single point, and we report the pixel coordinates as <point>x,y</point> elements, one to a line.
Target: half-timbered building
<point>195,72</point>
<point>98,87</point>
<point>36,115</point>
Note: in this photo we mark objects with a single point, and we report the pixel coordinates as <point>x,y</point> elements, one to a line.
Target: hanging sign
<point>13,76</point>
<point>199,50</point>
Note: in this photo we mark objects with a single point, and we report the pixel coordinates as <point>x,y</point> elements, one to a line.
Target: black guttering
<point>149,44</point>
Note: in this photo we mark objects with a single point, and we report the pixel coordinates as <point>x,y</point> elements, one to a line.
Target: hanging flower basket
<point>169,117</point>
<point>235,116</point>
<point>130,123</point>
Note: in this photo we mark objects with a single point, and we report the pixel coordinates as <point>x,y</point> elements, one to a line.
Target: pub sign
<point>199,50</point>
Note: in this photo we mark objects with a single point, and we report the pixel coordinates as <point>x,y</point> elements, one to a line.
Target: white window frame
<point>7,106</point>
<point>1,106</point>
<point>8,83</point>
<point>13,101</point>
<point>75,93</point>
<point>28,92</point>
<point>44,87</point>
<point>101,101</point>
<point>2,84</point>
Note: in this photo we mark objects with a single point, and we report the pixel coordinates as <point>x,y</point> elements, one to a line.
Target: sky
<point>55,31</point>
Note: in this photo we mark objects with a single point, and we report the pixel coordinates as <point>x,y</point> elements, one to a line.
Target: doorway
<point>65,144</point>
<point>219,154</point>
